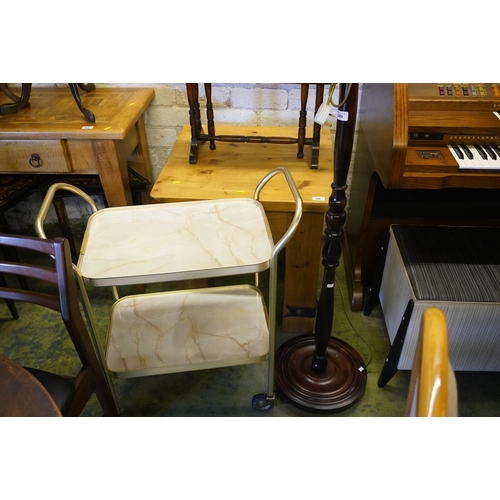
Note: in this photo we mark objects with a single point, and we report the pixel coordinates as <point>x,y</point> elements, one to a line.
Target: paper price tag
<point>343,116</point>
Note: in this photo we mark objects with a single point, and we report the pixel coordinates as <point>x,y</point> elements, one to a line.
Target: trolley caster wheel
<point>262,403</point>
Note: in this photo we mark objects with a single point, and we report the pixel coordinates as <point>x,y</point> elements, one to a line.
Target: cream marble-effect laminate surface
<point>175,241</point>
<point>188,330</point>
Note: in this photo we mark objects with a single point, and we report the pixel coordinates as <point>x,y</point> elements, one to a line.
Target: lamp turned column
<point>320,372</point>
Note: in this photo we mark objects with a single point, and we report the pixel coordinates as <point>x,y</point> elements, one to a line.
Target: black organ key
<point>477,156</point>
<point>480,150</point>
<point>490,152</point>
<point>458,151</point>
<point>467,151</point>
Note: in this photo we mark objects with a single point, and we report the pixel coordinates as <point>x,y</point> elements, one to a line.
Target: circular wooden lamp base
<point>340,386</point>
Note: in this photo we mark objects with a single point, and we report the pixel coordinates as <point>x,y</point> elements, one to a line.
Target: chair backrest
<point>433,388</point>
<point>60,295</point>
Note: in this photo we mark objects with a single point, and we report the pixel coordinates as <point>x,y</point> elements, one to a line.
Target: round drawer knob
<point>35,160</point>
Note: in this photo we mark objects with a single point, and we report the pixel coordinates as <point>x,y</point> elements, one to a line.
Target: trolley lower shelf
<point>180,331</point>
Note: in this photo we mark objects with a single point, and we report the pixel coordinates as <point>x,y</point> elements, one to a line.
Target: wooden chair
<point>70,397</point>
<point>433,388</point>
<point>22,394</point>
<point>23,101</point>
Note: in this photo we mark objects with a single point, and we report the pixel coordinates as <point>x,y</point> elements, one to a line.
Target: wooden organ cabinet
<point>425,154</point>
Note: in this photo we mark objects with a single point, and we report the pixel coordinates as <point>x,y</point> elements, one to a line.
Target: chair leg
<point>90,380</point>
<point>12,308</point>
<point>105,390</point>
<point>391,362</point>
<point>107,400</point>
<point>89,116</point>
<point>23,101</point>
<point>372,299</point>
<point>10,303</point>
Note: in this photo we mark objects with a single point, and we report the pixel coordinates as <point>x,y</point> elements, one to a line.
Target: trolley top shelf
<point>175,241</point>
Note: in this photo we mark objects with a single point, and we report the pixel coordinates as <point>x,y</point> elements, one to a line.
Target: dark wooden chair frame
<point>91,377</point>
<point>22,101</point>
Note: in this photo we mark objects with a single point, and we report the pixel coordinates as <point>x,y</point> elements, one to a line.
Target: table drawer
<point>33,156</point>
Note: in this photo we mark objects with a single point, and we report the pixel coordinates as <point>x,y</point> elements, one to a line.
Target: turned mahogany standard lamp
<point>320,372</point>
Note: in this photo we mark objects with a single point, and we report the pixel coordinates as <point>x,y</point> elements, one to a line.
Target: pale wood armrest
<point>433,391</point>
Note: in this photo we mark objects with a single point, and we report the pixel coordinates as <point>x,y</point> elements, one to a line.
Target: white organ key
<point>463,161</point>
<point>486,163</point>
<point>476,162</point>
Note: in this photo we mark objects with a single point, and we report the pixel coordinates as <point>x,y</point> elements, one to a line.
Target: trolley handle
<point>298,204</point>
<point>47,201</point>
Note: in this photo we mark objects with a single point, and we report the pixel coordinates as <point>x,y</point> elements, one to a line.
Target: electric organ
<point>425,154</point>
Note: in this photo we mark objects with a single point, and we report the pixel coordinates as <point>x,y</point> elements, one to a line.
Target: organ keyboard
<point>476,156</point>
<point>426,154</point>
<point>418,124</point>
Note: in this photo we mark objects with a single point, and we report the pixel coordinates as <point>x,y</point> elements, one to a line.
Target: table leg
<point>65,226</point>
<point>320,90</point>
<point>210,114</point>
<point>113,173</point>
<point>140,162</point>
<point>194,120</point>
<point>304,92</point>
<point>302,262</point>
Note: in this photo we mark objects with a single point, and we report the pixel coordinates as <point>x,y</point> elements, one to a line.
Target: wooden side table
<point>51,136</point>
<point>234,172</point>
